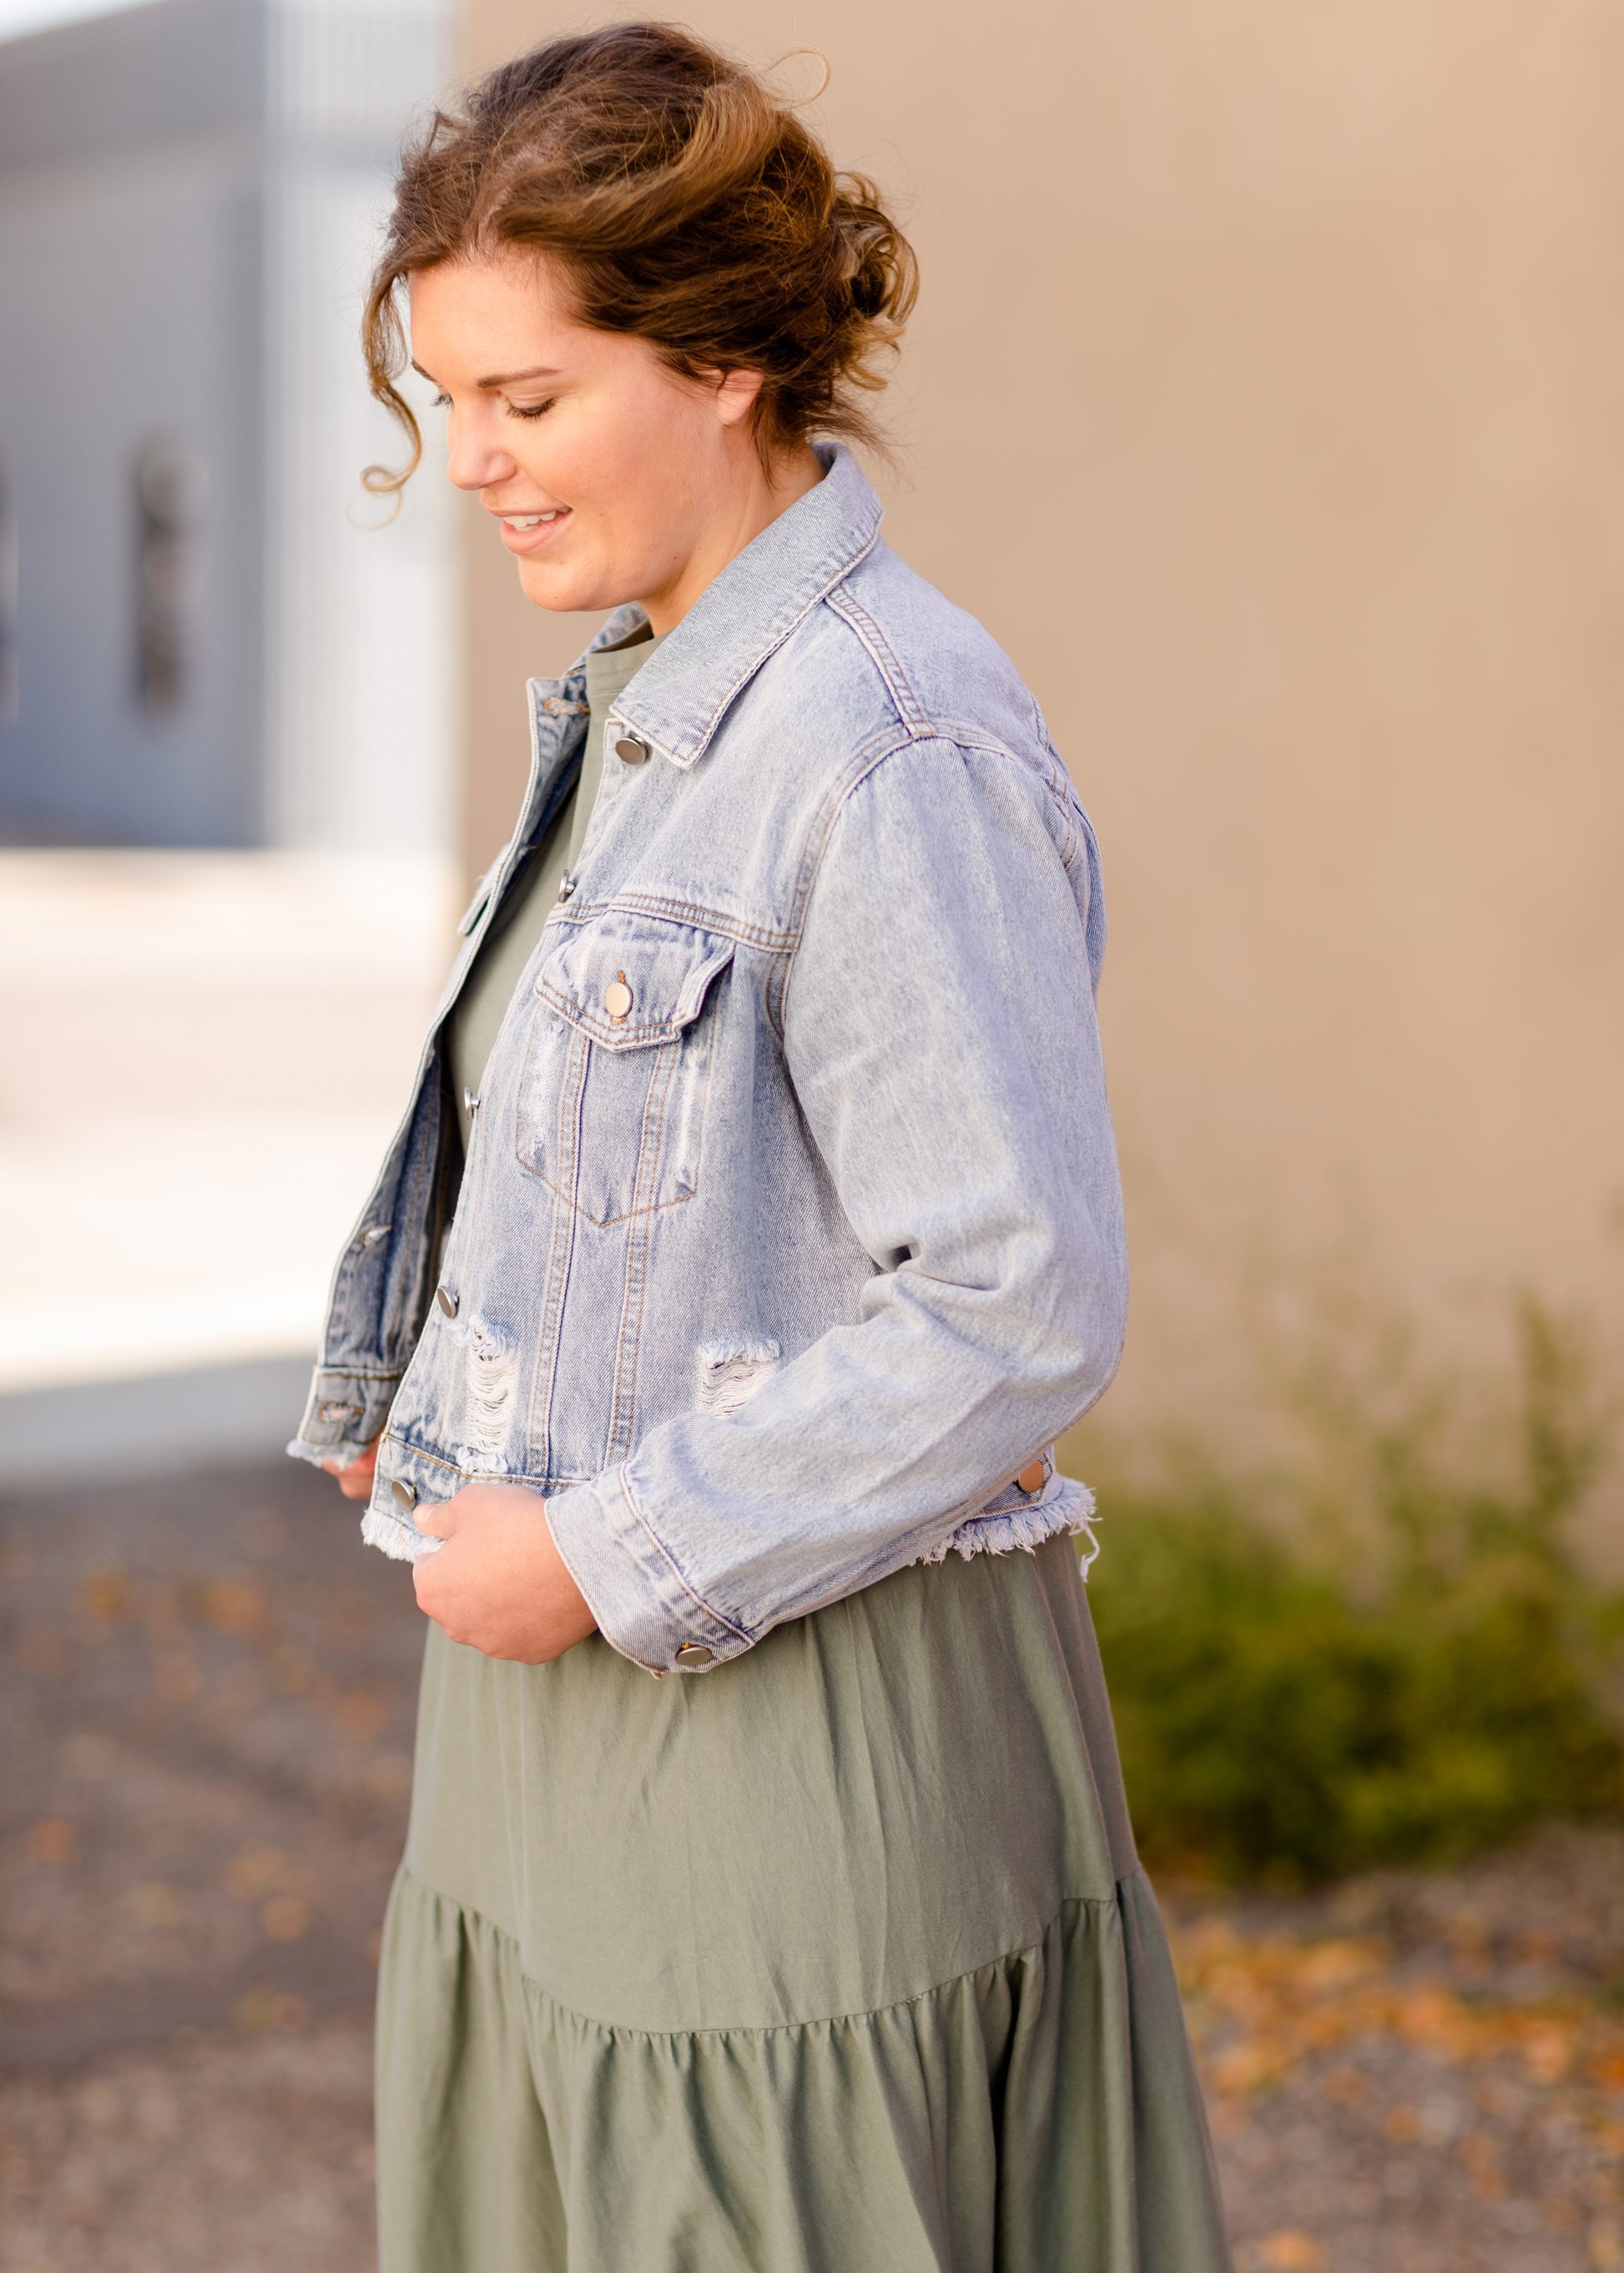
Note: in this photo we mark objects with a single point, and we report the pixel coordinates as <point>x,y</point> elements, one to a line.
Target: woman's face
<point>613,478</point>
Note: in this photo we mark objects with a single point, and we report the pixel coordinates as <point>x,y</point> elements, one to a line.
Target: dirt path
<point>207,1688</point>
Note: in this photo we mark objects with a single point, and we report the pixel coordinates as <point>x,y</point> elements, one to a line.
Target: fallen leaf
<point>265,2011</point>
<point>255,1871</point>
<point>234,1606</point>
<point>52,1840</point>
<point>1548,2051</point>
<point>1481,2157</point>
<point>364,1714</point>
<point>1292,2251</point>
<point>1247,2065</point>
<point>285,1917</point>
<point>106,1595</point>
<point>1606,2245</point>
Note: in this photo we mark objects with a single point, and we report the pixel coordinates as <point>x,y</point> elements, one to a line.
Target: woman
<point>755,1222</point>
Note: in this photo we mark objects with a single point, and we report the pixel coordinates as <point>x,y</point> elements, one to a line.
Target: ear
<point>736,394</point>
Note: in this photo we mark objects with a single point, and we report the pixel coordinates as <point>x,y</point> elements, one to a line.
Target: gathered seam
<point>1069,1903</point>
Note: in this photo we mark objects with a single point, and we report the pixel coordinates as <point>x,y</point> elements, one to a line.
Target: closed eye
<point>530,409</point>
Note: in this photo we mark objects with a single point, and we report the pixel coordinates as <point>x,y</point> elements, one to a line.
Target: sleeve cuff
<point>343,1414</point>
<point>643,1605</point>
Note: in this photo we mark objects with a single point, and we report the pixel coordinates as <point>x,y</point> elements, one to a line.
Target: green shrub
<point>1409,1670</point>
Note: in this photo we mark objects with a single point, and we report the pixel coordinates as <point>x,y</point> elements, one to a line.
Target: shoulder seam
<point>822,829</point>
<point>910,711</point>
<point>835,803</point>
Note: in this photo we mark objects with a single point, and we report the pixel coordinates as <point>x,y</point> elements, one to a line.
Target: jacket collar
<point>678,699</point>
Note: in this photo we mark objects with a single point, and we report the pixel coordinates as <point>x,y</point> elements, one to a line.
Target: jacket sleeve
<point>940,1033</point>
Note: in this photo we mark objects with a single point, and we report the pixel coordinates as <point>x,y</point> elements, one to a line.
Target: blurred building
<point>208,634</point>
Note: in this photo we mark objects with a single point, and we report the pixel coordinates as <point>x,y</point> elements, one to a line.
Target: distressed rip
<point>731,1373</point>
<point>491,1368</point>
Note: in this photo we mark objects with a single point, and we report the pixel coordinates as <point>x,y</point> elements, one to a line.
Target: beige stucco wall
<point>1265,399</point>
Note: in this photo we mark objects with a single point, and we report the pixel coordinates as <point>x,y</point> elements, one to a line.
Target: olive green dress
<point>836,1959</point>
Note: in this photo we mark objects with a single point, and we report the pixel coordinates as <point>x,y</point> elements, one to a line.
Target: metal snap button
<point>446,1300</point>
<point>405,1495</point>
<point>1033,1476</point>
<point>631,750</point>
<point>693,1653</point>
<point>471,1102</point>
<point>617,1000</point>
<point>567,885</point>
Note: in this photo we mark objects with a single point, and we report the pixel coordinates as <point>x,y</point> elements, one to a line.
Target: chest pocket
<point>612,1100</point>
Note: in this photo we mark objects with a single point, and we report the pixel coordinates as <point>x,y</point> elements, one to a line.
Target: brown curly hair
<point>689,205</point>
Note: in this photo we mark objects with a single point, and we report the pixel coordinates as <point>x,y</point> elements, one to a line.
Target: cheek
<point>637,451</point>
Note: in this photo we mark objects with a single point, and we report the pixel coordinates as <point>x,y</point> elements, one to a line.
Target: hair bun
<point>688,203</point>
<point>882,282</point>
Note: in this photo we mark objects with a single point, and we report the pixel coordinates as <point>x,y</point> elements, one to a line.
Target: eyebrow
<point>503,378</point>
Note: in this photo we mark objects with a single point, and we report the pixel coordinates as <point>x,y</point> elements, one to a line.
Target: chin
<point>565,591</point>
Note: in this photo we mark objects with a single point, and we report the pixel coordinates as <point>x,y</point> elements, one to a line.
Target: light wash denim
<point>789,1229</point>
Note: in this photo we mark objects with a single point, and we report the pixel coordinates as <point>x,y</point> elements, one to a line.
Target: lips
<point>530,532</point>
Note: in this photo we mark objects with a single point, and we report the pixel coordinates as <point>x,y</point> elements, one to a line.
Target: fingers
<point>499,1585</point>
<point>439,1522</point>
<point>356,1481</point>
<point>423,1583</point>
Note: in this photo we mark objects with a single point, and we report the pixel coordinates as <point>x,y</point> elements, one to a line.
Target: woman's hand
<point>356,1481</point>
<point>499,1583</point>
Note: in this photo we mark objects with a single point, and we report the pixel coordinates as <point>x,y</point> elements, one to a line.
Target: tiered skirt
<point>835,1958</point>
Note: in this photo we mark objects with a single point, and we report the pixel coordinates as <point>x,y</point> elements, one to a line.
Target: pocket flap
<point>628,982</point>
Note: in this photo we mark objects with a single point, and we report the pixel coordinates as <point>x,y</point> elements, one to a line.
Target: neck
<point>762,495</point>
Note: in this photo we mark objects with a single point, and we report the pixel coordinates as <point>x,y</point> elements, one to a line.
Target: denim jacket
<point>790,1227</point>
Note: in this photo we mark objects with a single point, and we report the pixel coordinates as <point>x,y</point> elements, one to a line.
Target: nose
<point>474,459</point>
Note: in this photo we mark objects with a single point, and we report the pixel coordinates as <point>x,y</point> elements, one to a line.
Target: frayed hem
<point>402,1543</point>
<point>343,1456</point>
<point>1070,1508</point>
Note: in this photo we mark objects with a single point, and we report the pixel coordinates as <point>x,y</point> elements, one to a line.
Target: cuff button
<point>693,1653</point>
<point>405,1495</point>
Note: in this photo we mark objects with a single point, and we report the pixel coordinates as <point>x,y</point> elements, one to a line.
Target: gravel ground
<point>208,1687</point>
